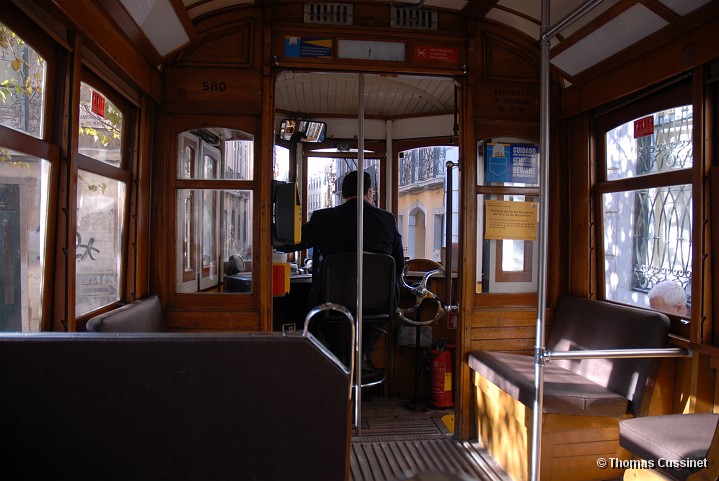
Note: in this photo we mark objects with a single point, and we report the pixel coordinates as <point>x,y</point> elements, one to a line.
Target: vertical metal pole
<point>448,233</point>
<point>540,348</point>
<point>360,256</point>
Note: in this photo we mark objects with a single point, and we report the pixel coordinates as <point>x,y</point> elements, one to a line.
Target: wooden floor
<point>396,443</point>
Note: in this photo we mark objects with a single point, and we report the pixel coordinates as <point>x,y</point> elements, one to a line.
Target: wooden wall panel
<point>503,330</point>
<point>207,90</point>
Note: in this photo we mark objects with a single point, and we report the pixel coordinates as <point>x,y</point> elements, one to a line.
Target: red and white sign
<point>644,126</point>
<point>435,54</point>
<point>98,104</point>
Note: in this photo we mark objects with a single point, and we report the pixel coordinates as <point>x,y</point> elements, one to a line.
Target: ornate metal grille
<point>662,237</point>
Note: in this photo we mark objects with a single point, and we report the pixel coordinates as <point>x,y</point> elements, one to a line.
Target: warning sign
<point>435,54</point>
<point>644,126</point>
<point>98,104</point>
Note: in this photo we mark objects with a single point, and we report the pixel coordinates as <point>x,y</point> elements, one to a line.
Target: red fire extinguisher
<point>441,375</point>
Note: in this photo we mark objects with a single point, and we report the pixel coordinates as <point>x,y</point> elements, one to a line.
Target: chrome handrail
<point>331,306</point>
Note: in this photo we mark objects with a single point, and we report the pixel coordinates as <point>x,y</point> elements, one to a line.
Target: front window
<point>648,228</point>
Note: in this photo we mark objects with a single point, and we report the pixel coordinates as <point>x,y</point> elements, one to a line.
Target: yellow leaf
<point>16,64</point>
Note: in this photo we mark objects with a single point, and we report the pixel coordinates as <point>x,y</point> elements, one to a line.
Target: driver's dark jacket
<point>335,230</point>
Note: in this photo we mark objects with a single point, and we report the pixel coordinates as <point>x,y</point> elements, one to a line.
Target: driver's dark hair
<point>349,184</point>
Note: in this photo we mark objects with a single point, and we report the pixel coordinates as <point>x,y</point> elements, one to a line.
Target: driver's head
<point>349,185</point>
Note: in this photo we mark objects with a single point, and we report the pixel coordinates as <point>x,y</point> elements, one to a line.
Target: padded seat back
<point>581,324</point>
<point>172,406</point>
<point>339,276</point>
<point>143,315</point>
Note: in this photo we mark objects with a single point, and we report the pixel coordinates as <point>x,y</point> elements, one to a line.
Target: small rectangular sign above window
<point>435,54</point>
<point>303,47</point>
<point>364,50</point>
<point>644,126</point>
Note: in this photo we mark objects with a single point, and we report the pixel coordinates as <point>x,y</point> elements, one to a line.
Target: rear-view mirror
<point>302,130</point>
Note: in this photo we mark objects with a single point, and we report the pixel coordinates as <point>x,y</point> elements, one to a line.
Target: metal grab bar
<point>420,291</point>
<point>331,306</point>
<point>618,353</point>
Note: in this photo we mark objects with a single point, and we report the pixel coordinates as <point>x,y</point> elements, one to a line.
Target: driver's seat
<point>379,291</point>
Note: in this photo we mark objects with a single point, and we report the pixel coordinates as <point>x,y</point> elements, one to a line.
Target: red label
<point>435,54</point>
<point>98,104</point>
<point>644,126</point>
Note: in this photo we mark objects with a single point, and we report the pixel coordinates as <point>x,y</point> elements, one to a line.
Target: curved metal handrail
<point>331,306</point>
<point>420,290</point>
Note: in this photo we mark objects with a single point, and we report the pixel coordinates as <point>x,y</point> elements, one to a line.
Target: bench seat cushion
<point>565,392</point>
<point>143,315</point>
<point>672,437</point>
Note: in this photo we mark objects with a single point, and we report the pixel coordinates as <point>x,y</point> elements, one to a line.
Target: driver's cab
<point>406,134</point>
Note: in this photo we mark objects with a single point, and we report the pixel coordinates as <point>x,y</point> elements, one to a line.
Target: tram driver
<point>333,230</point>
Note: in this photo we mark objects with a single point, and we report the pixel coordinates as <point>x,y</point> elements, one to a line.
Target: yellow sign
<point>511,220</point>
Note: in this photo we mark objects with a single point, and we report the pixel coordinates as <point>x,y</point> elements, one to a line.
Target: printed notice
<point>511,220</point>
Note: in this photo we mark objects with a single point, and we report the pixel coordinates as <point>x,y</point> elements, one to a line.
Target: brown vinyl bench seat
<point>565,391</point>
<point>583,399</point>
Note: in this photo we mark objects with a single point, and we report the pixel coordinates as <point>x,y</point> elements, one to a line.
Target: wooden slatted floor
<point>396,443</point>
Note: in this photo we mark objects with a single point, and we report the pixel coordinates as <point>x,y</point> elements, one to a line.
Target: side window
<point>103,177</point>
<point>24,181</point>
<point>646,210</point>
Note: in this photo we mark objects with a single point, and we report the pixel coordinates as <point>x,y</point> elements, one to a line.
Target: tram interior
<point>530,152</point>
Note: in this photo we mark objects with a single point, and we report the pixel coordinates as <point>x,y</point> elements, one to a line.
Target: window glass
<point>23,228</point>
<point>507,228</point>
<point>22,84</point>
<point>281,164</point>
<point>215,240</point>
<point>507,216</point>
<point>98,242</point>
<point>422,200</point>
<point>648,231</point>
<point>214,224</point>
<point>656,143</point>
<point>101,124</point>
<point>647,239</point>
